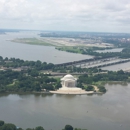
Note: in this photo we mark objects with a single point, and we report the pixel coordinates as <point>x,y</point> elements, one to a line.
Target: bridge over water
<point>104,63</point>
<point>95,62</point>
<point>74,63</point>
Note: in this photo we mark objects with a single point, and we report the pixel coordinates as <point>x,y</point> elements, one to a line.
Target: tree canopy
<point>68,127</point>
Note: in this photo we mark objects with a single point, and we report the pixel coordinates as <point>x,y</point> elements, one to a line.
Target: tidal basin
<point>109,111</point>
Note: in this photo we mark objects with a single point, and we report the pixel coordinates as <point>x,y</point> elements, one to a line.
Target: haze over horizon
<point>66,15</point>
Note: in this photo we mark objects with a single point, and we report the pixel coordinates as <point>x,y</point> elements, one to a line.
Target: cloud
<point>82,15</point>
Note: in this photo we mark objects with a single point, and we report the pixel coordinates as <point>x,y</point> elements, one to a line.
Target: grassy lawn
<point>32,41</point>
<point>73,49</point>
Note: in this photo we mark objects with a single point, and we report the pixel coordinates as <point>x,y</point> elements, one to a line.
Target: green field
<point>73,49</point>
<point>77,49</point>
<point>62,46</point>
<point>32,41</point>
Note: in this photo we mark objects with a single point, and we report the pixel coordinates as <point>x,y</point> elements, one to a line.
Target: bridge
<point>95,62</point>
<point>95,59</point>
<point>104,63</point>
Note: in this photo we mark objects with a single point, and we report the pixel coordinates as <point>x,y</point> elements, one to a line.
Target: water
<point>110,50</point>
<point>34,52</point>
<point>123,66</point>
<point>97,112</point>
<point>109,111</point>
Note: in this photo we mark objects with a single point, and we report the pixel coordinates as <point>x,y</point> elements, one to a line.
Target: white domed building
<point>69,86</point>
<point>68,81</point>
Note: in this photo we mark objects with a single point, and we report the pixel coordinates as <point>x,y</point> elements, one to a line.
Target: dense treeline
<point>125,53</point>
<point>33,77</point>
<point>14,62</point>
<point>27,78</point>
<point>9,126</point>
<point>35,66</point>
<point>110,76</point>
<point>32,80</point>
<point>73,69</point>
<point>91,51</point>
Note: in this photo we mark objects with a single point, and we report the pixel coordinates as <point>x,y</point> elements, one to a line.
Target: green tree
<point>19,129</point>
<point>120,72</point>
<point>1,58</point>
<point>1,123</point>
<point>89,88</point>
<point>29,129</point>
<point>68,127</point>
<point>39,128</point>
<point>8,127</point>
<point>80,85</point>
<point>102,89</point>
<point>58,85</point>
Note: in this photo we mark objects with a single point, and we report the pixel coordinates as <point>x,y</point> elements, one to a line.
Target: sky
<point>66,15</point>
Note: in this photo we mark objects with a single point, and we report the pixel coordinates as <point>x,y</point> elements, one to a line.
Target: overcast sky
<point>66,15</point>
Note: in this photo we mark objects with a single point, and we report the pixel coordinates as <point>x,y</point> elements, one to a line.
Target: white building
<point>68,81</point>
<point>69,86</point>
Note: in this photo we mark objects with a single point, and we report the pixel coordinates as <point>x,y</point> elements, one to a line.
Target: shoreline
<point>54,92</point>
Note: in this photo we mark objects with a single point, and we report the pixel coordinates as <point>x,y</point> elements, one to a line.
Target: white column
<point>64,84</point>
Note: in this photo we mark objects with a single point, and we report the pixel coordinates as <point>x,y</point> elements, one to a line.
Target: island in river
<point>36,76</point>
<point>22,76</point>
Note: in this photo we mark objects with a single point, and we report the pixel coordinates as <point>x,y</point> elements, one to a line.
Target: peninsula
<point>29,76</point>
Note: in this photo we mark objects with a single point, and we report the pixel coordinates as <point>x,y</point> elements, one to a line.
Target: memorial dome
<point>68,76</point>
<point>69,86</point>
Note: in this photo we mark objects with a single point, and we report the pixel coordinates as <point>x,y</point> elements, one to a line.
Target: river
<point>110,111</point>
<point>116,67</point>
<point>110,50</point>
<point>34,52</point>
<point>43,53</point>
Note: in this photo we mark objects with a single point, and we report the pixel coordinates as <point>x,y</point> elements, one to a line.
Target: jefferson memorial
<point>69,86</point>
